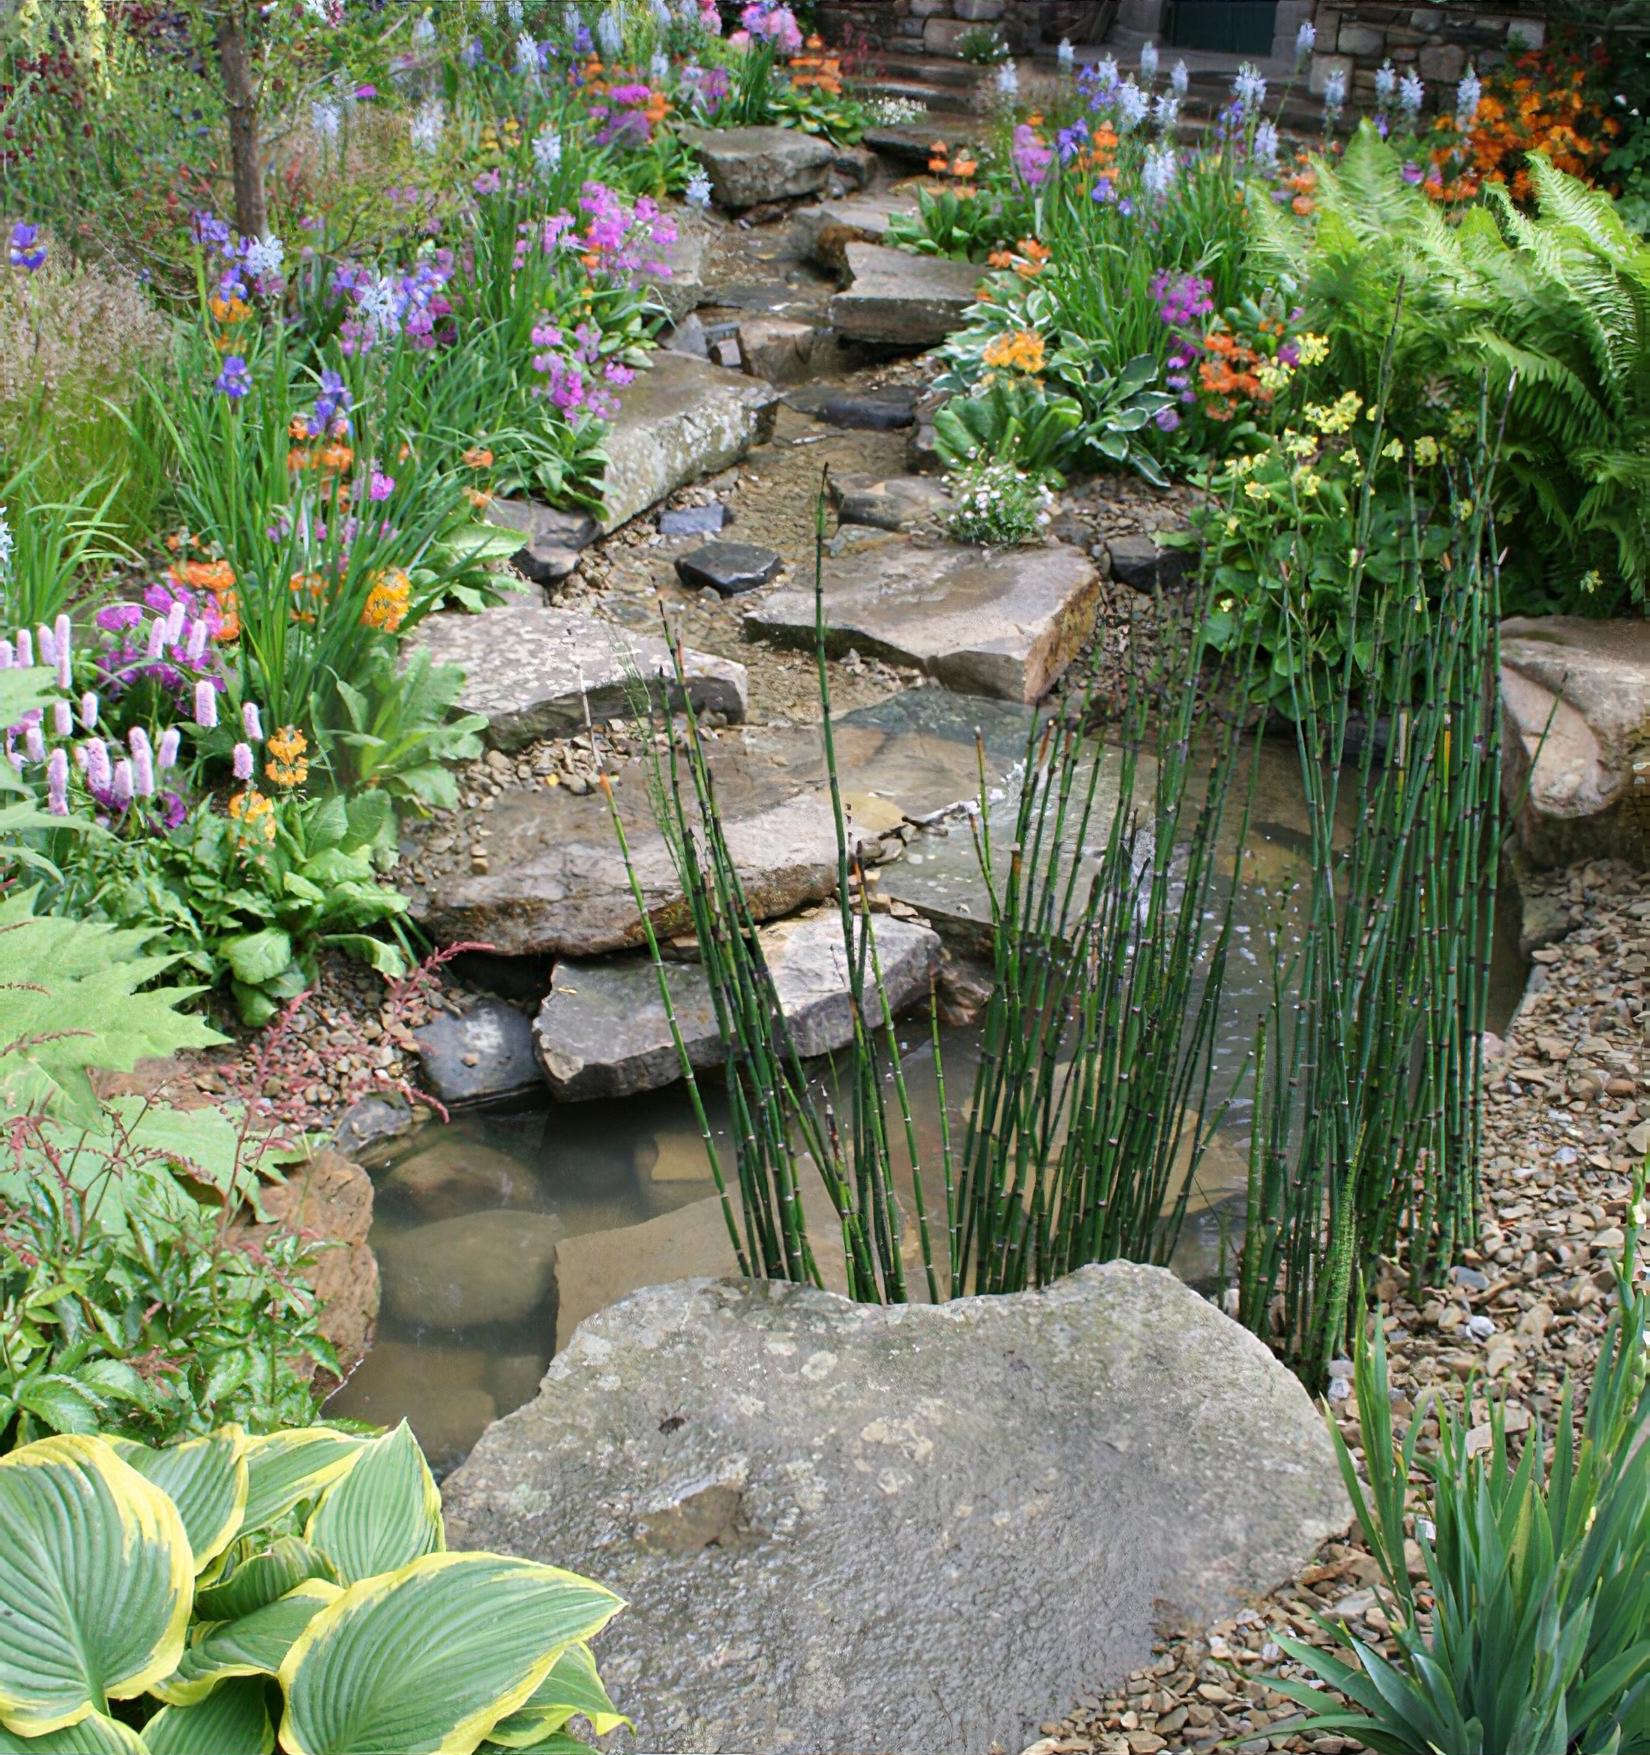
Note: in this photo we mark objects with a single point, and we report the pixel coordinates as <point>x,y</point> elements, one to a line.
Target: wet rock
<point>901,300</point>
<point>729,567</point>
<point>552,540</point>
<point>442,1392</point>
<point>694,520</point>
<point>981,622</point>
<point>555,883</point>
<point>822,234</point>
<point>602,1032</point>
<point>484,1055</point>
<point>1137,561</point>
<point>902,502</point>
<point>681,418</point>
<point>1584,687</point>
<point>749,166</point>
<point>371,1121</point>
<point>878,411</point>
<point>478,1268</point>
<point>449,1174</point>
<point>904,1496</point>
<point>531,670</point>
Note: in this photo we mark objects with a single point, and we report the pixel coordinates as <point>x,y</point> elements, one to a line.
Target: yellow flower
<point>1314,349</point>
<point>1591,580</point>
<point>1393,449</point>
<point>387,600</point>
<point>1335,417</point>
<point>288,765</point>
<point>1256,490</point>
<point>1308,482</point>
<point>254,813</point>
<point>1272,376</point>
<point>1021,350</point>
<point>1299,444</point>
<point>1463,510</point>
<point>1425,452</point>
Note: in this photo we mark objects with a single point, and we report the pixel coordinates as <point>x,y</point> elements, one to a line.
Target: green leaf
<point>573,1689</point>
<point>431,1657</point>
<point>207,1479</point>
<point>286,1468</point>
<point>96,1583</point>
<point>257,957</point>
<point>58,1401</point>
<point>259,1579</point>
<point>92,1736</point>
<point>383,1514</point>
<point>254,1645</point>
<point>232,1720</point>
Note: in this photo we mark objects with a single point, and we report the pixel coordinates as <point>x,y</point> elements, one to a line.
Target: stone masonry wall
<point>1438,41</point>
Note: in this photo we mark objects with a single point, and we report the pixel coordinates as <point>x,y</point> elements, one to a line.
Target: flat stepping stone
<point>882,411</point>
<point>729,567</point>
<point>749,166</point>
<point>680,291</point>
<point>531,670</point>
<point>680,419</point>
<point>551,540</point>
<point>902,502</point>
<point>822,234</point>
<point>983,622</point>
<point>960,1467</point>
<point>1143,564</point>
<point>694,520</point>
<point>602,1032</point>
<point>487,1054</point>
<point>901,300</point>
<point>535,870</point>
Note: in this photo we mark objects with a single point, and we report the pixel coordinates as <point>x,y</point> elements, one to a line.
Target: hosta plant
<point>208,1598</point>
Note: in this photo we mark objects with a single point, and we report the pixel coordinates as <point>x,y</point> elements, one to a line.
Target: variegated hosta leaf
<point>95,1735</point>
<point>552,1743</point>
<point>206,1478</point>
<point>383,1514</point>
<point>252,1646</point>
<point>426,1660</point>
<point>262,1577</point>
<point>573,1689</point>
<point>95,1574</point>
<point>288,1467</point>
<point>232,1720</point>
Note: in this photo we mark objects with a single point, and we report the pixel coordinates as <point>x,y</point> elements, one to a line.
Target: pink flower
<point>243,761</point>
<point>206,705</point>
<point>57,784</point>
<point>251,724</point>
<point>170,738</point>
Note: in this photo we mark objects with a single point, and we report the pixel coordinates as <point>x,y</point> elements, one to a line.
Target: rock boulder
<point>901,300</point>
<point>749,166</point>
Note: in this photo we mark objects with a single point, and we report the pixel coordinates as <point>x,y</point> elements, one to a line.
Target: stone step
<point>928,69</point>
<point>912,142</point>
<point>822,234</point>
<point>935,97</point>
<point>750,166</point>
<point>902,300</point>
<point>534,671</point>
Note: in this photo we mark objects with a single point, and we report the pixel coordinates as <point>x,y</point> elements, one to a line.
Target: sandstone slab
<point>822,234</point>
<point>749,166</point>
<point>901,502</point>
<point>602,1031</point>
<point>985,622</point>
<point>531,670</point>
<point>1575,702</point>
<point>680,419</point>
<point>469,1271</point>
<point>848,1527</point>
<point>901,300</point>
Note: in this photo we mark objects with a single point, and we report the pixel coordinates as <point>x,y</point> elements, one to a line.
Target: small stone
<point>885,410</point>
<point>1474,1279</point>
<point>729,567</point>
<point>694,520</point>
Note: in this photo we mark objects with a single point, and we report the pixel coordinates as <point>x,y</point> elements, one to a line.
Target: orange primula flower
<point>477,457</point>
<point>388,600</point>
<point>1020,350</point>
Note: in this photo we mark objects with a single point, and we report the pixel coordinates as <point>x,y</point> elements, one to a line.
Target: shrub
<point>186,1598</point>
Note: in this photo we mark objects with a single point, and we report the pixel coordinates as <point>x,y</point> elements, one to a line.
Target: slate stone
<point>1140,563</point>
<point>684,287</point>
<point>530,670</point>
<point>748,166</point>
<point>602,1032</point>
<point>986,622</point>
<point>881,411</point>
<point>901,300</point>
<point>552,539</point>
<point>781,350</point>
<point>486,1054</point>
<point>680,419</point>
<point>555,885</point>
<point>822,234</point>
<point>372,1121</point>
<point>842,1526</point>
<point>471,1271</point>
<point>729,567</point>
<point>694,520</point>
<point>902,502</point>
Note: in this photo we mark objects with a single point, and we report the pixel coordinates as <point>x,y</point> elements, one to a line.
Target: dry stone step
<point>901,300</point>
<point>680,419</point>
<point>768,1454</point>
<point>533,671</point>
<point>822,234</point>
<point>985,622</point>
<point>684,287</point>
<point>730,568</point>
<point>552,540</point>
<point>602,1032</point>
<point>749,166</point>
<point>902,502</point>
<point>883,410</point>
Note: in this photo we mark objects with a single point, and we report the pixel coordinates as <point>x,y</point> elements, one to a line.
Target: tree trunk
<point>245,153</point>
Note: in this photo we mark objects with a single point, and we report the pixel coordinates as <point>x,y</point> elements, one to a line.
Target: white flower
<point>488,9</point>
<point>263,256</point>
<point>1148,60</point>
<point>546,150</point>
<point>1411,93</point>
<point>1249,87</point>
<point>1066,55</point>
<point>1386,84</point>
<point>1165,112</point>
<point>1179,79</point>
<point>697,193</point>
<point>1334,92</point>
<point>325,119</point>
<point>513,12</point>
<point>423,31</point>
<point>428,121</point>
<point>1467,94</point>
<point>1157,171</point>
<point>1306,40</point>
<point>1132,105</point>
<point>527,56</point>
<point>380,303</point>
<point>659,68</point>
<point>1266,147</point>
<point>1008,79</point>
<point>8,545</point>
<point>610,34</point>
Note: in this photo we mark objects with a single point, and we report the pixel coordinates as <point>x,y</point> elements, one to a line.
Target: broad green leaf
<point>95,1735</point>
<point>261,1578</point>
<point>231,1720</point>
<point>95,1582</point>
<point>257,957</point>
<point>551,1743</point>
<point>426,1660</point>
<point>383,1514</point>
<point>288,1467</point>
<point>572,1689</point>
<point>206,1478</point>
<point>252,1646</point>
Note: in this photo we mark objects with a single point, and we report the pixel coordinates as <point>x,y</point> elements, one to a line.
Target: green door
<point>1234,27</point>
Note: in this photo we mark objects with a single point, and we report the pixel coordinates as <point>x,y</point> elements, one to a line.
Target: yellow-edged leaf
<point>252,1646</point>
<point>95,1735</point>
<point>286,1468</point>
<point>383,1514</point>
<point>232,1720</point>
<point>95,1574</point>
<point>258,1579</point>
<point>426,1660</point>
<point>573,1689</point>
<point>206,1478</point>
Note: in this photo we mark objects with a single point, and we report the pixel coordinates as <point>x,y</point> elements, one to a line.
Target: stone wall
<point>1438,41</point>
<point>937,26</point>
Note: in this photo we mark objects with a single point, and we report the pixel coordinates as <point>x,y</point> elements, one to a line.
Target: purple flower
<point>235,379</point>
<point>250,723</point>
<point>97,765</point>
<point>57,784</point>
<point>1032,158</point>
<point>1411,173</point>
<point>167,755</point>
<point>243,761</point>
<point>120,785</point>
<point>25,253</point>
<point>172,809</point>
<point>62,719</point>
<point>206,705</point>
<point>209,231</point>
<point>1167,419</point>
<point>381,486</point>
<point>488,183</point>
<point>143,771</point>
<point>332,407</point>
<point>88,710</point>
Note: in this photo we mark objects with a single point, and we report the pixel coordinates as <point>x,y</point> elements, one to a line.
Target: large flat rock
<point>681,418</point>
<point>536,870</point>
<point>531,670</point>
<point>903,300</point>
<point>823,233</point>
<point>1002,622</point>
<point>1575,702</point>
<point>748,166</point>
<point>907,1529</point>
<point>602,1031</point>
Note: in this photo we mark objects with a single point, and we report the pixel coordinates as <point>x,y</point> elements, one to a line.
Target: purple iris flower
<point>235,379</point>
<point>25,252</point>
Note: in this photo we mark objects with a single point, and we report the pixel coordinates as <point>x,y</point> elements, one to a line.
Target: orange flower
<point>1020,350</point>
<point>388,600</point>
<point>480,498</point>
<point>254,813</point>
<point>288,765</point>
<point>477,457</point>
<point>336,458</point>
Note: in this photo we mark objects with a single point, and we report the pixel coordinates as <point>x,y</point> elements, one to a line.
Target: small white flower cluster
<point>998,505</point>
<point>8,544</point>
<point>893,112</point>
<point>426,126</point>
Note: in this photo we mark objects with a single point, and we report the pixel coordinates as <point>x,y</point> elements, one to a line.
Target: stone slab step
<point>902,300</point>
<point>532,671</point>
<point>912,142</point>
<point>602,1031</point>
<point>1003,623</point>
<point>821,234</point>
<point>750,166</point>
